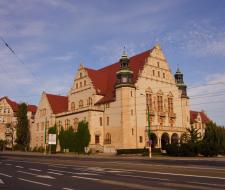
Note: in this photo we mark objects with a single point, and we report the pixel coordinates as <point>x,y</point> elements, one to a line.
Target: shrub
<point>143,151</point>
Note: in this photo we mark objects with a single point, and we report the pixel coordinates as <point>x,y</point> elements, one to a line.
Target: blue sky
<point>52,37</point>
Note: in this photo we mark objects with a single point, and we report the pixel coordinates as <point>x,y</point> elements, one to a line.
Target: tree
<point>213,142</point>
<point>22,128</point>
<point>192,135</point>
<point>83,137</point>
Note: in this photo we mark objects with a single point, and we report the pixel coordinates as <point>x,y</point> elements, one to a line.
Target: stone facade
<point>8,119</point>
<point>116,101</point>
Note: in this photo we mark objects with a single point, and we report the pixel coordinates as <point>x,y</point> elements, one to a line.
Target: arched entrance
<point>164,140</point>
<point>174,138</point>
<point>154,140</point>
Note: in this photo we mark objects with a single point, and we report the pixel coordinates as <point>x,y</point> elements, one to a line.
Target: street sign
<point>51,138</point>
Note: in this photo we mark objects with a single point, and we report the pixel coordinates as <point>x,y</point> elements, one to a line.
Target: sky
<point>51,38</point>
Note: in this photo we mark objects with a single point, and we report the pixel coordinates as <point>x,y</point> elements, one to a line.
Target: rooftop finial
<point>124,55</point>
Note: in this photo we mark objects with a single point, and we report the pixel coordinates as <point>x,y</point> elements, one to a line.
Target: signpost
<point>51,140</point>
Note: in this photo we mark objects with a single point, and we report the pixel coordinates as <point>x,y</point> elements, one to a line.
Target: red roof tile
<point>104,79</point>
<point>32,108</point>
<point>194,114</point>
<point>58,103</point>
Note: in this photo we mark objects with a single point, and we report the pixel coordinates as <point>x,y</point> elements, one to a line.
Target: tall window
<point>67,123</point>
<point>100,121</point>
<point>107,120</point>
<point>81,104</point>
<point>72,106</point>
<point>170,105</point>
<point>84,82</point>
<point>75,124</point>
<point>80,84</point>
<point>89,102</point>
<point>108,138</point>
<point>149,101</point>
<point>160,103</point>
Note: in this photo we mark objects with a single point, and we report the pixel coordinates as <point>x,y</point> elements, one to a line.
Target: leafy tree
<point>22,128</point>
<point>83,137</point>
<point>213,142</point>
<point>192,135</point>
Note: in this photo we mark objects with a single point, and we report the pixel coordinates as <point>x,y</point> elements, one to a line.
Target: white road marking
<point>8,164</point>
<point>143,177</point>
<point>6,175</point>
<point>212,184</point>
<point>67,188</point>
<point>55,173</point>
<point>57,166</point>
<point>97,169</point>
<point>45,176</point>
<point>1,182</point>
<point>19,166</point>
<point>26,173</point>
<point>33,169</point>
<point>88,178</point>
<point>85,173</point>
<point>61,171</point>
<point>36,182</point>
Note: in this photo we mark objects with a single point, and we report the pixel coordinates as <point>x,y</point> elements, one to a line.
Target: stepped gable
<point>104,79</point>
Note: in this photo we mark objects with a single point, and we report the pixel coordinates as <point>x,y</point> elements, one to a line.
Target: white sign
<point>51,138</point>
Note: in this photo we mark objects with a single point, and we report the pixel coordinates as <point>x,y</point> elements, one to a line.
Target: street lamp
<point>149,131</point>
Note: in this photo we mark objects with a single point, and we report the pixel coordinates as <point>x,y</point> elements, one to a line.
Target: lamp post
<point>149,130</point>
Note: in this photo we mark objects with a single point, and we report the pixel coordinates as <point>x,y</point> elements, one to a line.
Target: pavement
<point>37,171</point>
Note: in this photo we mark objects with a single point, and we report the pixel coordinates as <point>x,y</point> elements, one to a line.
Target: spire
<point>180,82</point>
<point>124,60</point>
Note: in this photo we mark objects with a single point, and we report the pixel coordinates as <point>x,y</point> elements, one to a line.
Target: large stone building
<point>8,119</point>
<point>115,100</point>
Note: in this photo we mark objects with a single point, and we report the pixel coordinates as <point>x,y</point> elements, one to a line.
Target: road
<point>21,172</point>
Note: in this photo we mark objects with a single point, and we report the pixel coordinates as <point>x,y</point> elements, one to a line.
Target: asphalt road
<point>44,172</point>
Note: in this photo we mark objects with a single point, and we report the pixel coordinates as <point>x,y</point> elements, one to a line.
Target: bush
<point>172,149</point>
<point>184,149</point>
<point>143,151</point>
<point>19,147</point>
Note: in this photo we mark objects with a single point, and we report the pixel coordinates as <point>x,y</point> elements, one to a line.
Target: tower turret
<point>180,82</point>
<point>124,75</point>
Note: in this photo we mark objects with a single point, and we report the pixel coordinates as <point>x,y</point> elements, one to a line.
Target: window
<point>76,85</point>
<point>72,106</point>
<point>160,103</point>
<point>89,101</point>
<point>97,139</point>
<point>170,105</point>
<point>84,82</point>
<point>75,124</point>
<point>132,131</point>
<point>157,64</point>
<point>80,84</point>
<point>131,93</point>
<point>67,123</point>
<point>131,112</point>
<point>164,76</point>
<point>107,105</point>
<point>158,73</point>
<point>149,101</point>
<point>153,72</point>
<point>140,139</point>
<point>81,75</point>
<point>108,138</point>
<point>81,104</point>
<point>107,120</point>
<point>100,121</point>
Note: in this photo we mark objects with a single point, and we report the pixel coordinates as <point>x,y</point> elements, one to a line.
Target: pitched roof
<point>58,103</point>
<point>14,105</point>
<point>104,79</point>
<point>194,114</point>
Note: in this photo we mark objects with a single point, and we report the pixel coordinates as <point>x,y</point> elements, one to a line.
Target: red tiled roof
<point>32,108</point>
<point>13,104</point>
<point>194,114</point>
<point>104,79</point>
<point>58,103</point>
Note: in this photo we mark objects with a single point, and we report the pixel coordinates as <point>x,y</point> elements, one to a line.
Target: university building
<point>116,100</point>
<point>8,119</point>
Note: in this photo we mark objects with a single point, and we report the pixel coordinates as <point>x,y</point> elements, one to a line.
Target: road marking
<point>67,188</point>
<point>33,169</point>
<point>26,173</point>
<point>85,173</point>
<point>88,178</point>
<point>19,166</point>
<point>6,175</point>
<point>57,166</point>
<point>55,173</point>
<point>62,171</point>
<point>1,182</point>
<point>143,177</point>
<point>45,176</point>
<point>8,164</point>
<point>36,182</point>
<point>208,184</point>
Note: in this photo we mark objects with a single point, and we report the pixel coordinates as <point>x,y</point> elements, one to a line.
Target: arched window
<point>108,138</point>
<point>72,106</point>
<point>89,102</point>
<point>81,104</point>
<point>75,123</point>
<point>67,123</point>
